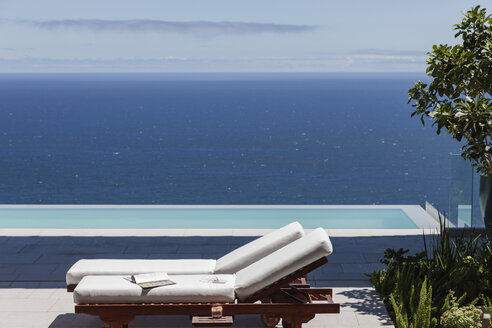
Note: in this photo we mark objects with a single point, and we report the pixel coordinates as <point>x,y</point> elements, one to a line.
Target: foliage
<point>422,316</point>
<point>420,308</point>
<point>458,98</point>
<point>451,301</point>
<point>462,264</point>
<point>460,317</point>
<point>401,317</point>
<point>486,303</point>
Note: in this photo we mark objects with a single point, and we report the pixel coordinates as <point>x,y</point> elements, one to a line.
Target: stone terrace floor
<point>32,276</point>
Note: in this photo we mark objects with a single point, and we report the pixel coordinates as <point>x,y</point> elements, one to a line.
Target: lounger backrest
<point>258,248</point>
<point>281,263</point>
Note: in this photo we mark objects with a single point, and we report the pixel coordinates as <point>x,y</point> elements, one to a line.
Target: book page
<point>150,277</point>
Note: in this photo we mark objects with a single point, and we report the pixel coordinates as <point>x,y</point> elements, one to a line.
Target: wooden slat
<point>284,282</point>
<point>199,321</point>
<point>318,292</point>
<point>205,309</point>
<point>300,285</point>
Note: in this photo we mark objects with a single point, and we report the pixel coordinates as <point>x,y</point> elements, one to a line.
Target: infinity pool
<point>208,217</point>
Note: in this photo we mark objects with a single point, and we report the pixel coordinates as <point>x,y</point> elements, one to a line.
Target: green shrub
<point>462,264</point>
<point>486,303</point>
<point>460,317</point>
<point>420,309</point>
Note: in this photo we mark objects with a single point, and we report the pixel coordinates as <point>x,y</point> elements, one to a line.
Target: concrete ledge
<point>203,232</point>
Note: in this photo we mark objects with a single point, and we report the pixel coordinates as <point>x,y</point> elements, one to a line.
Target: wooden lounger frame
<point>290,301</point>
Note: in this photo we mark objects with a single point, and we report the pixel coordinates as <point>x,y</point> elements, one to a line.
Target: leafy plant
<point>460,317</point>
<point>401,317</point>
<point>451,301</point>
<point>486,303</point>
<point>462,264</point>
<point>420,309</point>
<point>402,275</point>
<point>422,317</point>
<point>458,98</point>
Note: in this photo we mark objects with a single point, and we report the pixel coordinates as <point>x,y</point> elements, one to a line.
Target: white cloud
<point>385,56</point>
<point>145,25</point>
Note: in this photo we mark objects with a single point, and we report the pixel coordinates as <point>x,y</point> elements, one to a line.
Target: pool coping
<point>426,223</point>
<point>200,232</point>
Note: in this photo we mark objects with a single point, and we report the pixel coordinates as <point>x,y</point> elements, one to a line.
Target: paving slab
<point>53,308</point>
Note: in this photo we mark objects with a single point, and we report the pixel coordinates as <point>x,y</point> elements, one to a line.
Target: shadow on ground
<point>368,303</point>
<point>86,321</point>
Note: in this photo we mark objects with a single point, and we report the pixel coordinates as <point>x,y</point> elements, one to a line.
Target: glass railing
<point>464,208</point>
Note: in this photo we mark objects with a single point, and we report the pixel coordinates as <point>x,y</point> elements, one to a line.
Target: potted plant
<point>458,98</point>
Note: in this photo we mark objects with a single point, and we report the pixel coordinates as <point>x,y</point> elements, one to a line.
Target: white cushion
<point>258,248</point>
<point>188,289</point>
<point>228,264</point>
<point>84,268</point>
<point>283,262</point>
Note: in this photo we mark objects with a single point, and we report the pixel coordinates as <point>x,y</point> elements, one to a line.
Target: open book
<point>149,280</point>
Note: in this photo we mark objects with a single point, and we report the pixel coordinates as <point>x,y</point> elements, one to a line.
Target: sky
<point>223,35</point>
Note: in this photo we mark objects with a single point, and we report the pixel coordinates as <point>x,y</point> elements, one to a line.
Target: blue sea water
<point>217,139</point>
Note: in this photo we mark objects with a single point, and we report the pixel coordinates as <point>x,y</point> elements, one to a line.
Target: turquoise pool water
<point>200,218</point>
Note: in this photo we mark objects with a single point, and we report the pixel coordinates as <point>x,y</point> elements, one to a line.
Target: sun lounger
<point>227,264</point>
<point>263,287</point>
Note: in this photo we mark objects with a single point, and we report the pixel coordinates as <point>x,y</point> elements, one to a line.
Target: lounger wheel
<point>270,320</point>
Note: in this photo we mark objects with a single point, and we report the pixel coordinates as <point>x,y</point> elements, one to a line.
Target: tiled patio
<point>32,275</point>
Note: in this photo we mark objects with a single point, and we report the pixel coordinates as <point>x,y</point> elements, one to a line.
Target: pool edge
<point>415,213</point>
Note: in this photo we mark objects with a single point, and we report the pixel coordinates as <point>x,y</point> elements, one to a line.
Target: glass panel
<point>477,219</point>
<point>461,192</point>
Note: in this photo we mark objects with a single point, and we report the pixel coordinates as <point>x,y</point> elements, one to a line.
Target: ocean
<point>217,139</point>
